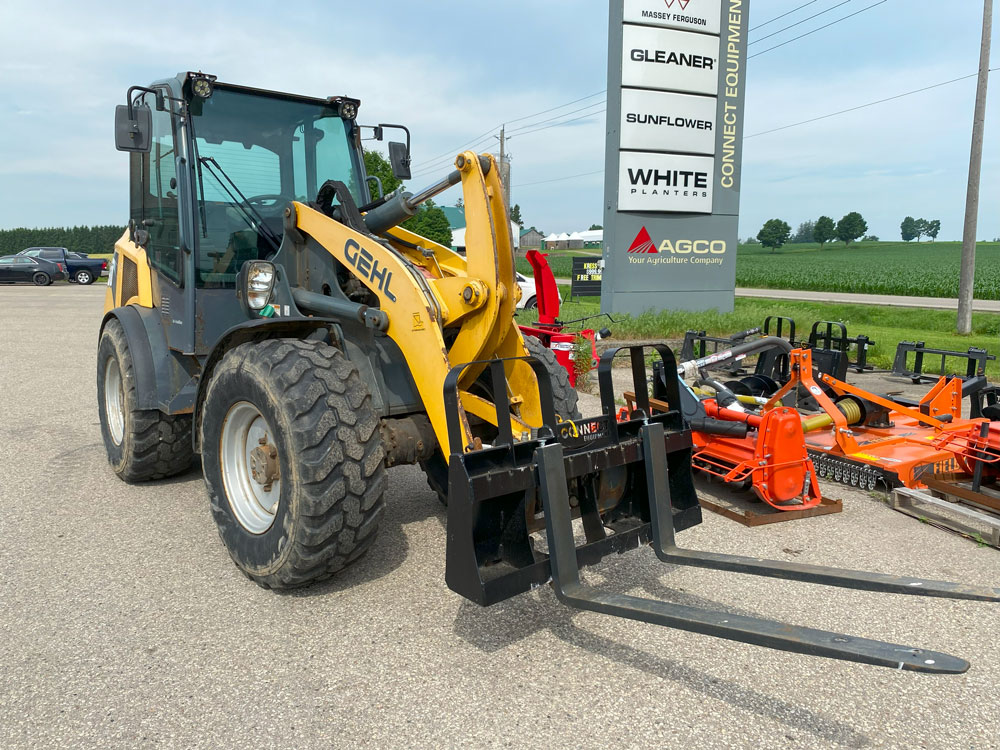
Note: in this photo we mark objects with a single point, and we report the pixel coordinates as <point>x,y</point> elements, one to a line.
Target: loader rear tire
<point>322,505</point>
<point>565,400</point>
<point>141,444</point>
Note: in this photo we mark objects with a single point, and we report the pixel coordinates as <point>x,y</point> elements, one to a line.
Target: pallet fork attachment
<point>490,556</point>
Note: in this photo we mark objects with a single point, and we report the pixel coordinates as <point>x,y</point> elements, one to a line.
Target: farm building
<point>592,238</point>
<point>531,239</point>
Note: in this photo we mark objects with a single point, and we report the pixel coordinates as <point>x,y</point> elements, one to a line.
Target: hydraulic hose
<point>691,368</point>
<point>725,397</point>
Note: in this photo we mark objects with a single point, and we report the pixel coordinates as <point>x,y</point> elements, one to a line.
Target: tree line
<point>851,227</point>
<point>429,221</point>
<point>99,239</point>
<point>914,229</point>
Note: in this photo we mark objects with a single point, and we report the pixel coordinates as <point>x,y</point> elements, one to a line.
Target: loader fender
<point>257,330</point>
<point>165,379</point>
<point>141,351</point>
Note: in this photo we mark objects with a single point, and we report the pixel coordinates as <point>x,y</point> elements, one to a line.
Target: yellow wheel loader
<point>266,311</point>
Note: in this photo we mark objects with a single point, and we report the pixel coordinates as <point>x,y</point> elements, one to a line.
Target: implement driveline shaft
<point>847,407</point>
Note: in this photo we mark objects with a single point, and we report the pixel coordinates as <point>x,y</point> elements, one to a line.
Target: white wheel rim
<point>252,505</point>
<point>114,400</point>
<point>83,277</point>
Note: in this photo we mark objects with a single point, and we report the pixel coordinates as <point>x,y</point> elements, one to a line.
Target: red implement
<point>548,328</point>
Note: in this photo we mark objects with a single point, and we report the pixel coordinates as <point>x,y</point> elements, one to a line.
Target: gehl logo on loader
<point>369,268</point>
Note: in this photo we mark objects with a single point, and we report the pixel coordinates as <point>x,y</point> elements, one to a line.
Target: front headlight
<point>259,284</point>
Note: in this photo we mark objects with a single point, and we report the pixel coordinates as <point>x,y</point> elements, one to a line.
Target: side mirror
<point>133,134</point>
<point>399,157</point>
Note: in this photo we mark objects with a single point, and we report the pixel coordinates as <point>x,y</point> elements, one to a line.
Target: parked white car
<point>529,300</point>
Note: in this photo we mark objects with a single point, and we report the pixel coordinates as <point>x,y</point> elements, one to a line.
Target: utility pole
<point>967,275</point>
<point>504,172</point>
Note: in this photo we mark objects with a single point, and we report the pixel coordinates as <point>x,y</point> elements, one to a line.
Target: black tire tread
<point>564,396</point>
<point>163,445</point>
<point>160,443</point>
<point>339,465</point>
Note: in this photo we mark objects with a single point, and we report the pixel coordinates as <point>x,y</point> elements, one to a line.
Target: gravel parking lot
<point>126,625</point>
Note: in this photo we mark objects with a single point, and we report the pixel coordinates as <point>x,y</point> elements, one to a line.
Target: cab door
<point>156,208</point>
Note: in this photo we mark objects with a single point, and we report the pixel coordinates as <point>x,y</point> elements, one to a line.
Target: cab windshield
<point>255,152</point>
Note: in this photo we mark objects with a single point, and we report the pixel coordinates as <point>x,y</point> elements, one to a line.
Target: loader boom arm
<point>443,309</point>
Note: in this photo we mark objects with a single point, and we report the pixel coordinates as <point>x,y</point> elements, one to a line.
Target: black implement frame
<point>490,556</point>
<point>773,363</point>
<point>975,361</point>
<point>841,344</point>
<point>488,488</point>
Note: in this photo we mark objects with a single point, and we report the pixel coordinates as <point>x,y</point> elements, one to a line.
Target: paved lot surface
<point>124,623</point>
<point>930,303</point>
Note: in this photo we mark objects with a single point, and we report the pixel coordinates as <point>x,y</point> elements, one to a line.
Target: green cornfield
<point>892,268</point>
<point>925,269</point>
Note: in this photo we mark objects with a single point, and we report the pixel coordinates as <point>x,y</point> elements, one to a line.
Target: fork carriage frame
<point>560,471</point>
<point>491,491</point>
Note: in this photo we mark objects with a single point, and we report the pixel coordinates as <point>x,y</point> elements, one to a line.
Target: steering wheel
<point>267,203</point>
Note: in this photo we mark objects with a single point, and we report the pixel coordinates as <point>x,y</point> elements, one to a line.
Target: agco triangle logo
<point>682,3</point>
<point>642,243</point>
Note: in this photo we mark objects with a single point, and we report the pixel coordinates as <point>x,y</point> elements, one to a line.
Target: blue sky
<point>455,70</point>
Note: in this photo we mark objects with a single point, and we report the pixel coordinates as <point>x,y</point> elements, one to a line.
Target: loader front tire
<point>141,444</point>
<point>563,394</point>
<point>293,461</point>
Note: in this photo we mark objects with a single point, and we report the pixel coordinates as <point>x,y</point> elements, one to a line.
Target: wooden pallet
<point>739,506</point>
<point>948,506</point>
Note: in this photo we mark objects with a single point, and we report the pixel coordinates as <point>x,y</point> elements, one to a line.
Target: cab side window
<point>158,212</point>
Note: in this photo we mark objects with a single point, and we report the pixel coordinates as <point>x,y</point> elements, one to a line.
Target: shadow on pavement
<point>494,628</point>
<point>386,554</point>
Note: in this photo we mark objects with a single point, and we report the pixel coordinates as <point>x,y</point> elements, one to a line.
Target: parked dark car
<point>81,269</point>
<point>37,271</point>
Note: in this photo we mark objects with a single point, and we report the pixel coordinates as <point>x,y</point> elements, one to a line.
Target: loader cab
<point>223,163</point>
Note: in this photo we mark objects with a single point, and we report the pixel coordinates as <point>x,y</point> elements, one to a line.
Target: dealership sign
<point>663,121</point>
<point>665,182</point>
<point>665,59</point>
<point>676,78</point>
<point>688,15</point>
